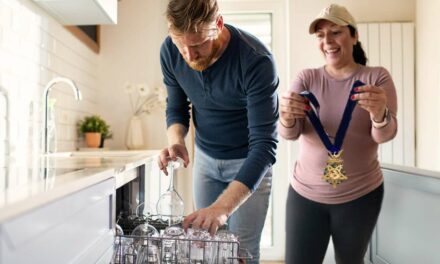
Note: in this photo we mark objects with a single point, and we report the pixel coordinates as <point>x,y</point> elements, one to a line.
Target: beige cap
<point>336,14</point>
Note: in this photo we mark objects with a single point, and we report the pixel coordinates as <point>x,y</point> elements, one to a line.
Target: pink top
<point>360,144</point>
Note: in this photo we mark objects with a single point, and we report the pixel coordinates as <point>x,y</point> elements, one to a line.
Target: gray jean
<point>212,176</point>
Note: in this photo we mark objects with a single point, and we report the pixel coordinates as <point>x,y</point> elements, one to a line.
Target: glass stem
<point>171,186</point>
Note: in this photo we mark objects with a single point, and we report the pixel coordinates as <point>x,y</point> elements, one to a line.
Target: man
<point>229,78</point>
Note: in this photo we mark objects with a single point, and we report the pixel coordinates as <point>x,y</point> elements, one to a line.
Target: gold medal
<point>334,170</point>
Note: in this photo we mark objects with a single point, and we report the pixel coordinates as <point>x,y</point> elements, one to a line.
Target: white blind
<point>391,45</point>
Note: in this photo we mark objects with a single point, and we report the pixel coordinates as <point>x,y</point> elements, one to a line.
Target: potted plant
<point>106,133</point>
<point>95,130</point>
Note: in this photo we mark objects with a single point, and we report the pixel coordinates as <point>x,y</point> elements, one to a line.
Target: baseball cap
<point>336,14</point>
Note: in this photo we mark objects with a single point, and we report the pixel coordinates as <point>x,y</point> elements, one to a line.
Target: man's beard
<point>203,63</point>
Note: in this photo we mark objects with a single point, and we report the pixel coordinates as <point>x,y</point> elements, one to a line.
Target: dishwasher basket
<point>166,250</point>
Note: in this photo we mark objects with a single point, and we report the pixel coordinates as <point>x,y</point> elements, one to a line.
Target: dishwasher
<point>162,242</point>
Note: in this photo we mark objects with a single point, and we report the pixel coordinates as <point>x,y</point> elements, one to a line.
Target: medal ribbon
<point>343,126</point>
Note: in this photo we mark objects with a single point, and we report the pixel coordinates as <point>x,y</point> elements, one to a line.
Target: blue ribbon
<point>312,114</point>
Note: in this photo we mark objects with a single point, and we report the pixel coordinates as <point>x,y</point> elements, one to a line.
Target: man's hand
<point>210,218</point>
<point>171,153</point>
<point>216,215</point>
<point>176,134</point>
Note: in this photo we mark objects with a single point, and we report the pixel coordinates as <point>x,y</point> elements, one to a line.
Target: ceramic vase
<point>135,134</point>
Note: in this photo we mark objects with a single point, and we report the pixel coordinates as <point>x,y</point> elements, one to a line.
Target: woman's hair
<point>358,51</point>
<point>189,15</point>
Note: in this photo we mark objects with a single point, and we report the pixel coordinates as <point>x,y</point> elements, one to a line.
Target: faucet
<point>51,83</point>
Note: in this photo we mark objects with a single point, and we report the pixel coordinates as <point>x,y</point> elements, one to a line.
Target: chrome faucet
<point>54,81</point>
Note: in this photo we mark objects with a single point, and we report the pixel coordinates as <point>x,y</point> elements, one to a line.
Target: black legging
<point>309,226</point>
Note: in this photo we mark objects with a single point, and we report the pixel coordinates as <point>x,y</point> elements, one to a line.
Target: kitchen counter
<point>407,227</point>
<point>24,187</point>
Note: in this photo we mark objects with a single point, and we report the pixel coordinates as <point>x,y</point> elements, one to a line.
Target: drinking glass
<point>173,248</point>
<point>142,233</point>
<point>202,249</point>
<point>125,251</point>
<point>118,230</point>
<point>227,247</point>
<point>170,205</point>
<point>148,254</point>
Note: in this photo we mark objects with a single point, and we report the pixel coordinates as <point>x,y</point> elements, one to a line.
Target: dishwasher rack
<point>166,250</point>
<point>129,222</point>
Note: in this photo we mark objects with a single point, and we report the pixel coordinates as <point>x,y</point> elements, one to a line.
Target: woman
<point>345,110</point>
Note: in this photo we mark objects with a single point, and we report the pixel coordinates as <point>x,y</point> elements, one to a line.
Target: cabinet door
<point>73,229</point>
<point>90,12</point>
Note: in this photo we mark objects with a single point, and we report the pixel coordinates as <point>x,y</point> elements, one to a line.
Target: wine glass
<point>125,251</point>
<point>118,230</point>
<point>148,254</point>
<point>142,233</point>
<point>227,246</point>
<point>202,248</point>
<point>172,247</point>
<point>170,205</point>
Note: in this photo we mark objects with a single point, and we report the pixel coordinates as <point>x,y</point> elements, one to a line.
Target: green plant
<point>94,124</point>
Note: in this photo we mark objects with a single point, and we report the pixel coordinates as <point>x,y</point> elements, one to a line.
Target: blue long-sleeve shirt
<point>234,103</point>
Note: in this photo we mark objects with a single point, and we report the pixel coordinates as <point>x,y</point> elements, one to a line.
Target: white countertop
<point>413,170</point>
<point>28,185</point>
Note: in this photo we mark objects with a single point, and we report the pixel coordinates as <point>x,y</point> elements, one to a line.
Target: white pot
<point>135,134</point>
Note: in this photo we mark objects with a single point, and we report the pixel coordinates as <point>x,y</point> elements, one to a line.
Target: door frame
<point>280,49</point>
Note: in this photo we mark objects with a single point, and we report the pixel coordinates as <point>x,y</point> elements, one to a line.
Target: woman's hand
<point>292,106</point>
<point>373,99</point>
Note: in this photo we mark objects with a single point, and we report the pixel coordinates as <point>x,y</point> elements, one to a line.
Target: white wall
<point>34,48</point>
<point>305,54</point>
<point>428,84</point>
<point>130,52</point>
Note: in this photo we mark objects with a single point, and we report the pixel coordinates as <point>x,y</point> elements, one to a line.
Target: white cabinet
<point>74,229</point>
<point>81,12</point>
<point>407,230</point>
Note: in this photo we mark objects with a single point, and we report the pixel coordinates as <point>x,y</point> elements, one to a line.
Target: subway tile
<point>3,105</point>
<point>11,41</point>
<point>36,49</point>
<point>3,126</point>
<point>1,36</point>
<point>5,16</point>
<point>20,22</point>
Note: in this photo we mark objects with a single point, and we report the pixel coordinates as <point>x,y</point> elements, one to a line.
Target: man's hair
<point>189,15</point>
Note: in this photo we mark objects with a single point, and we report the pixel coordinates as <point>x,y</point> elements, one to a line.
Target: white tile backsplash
<point>5,15</point>
<point>34,48</point>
